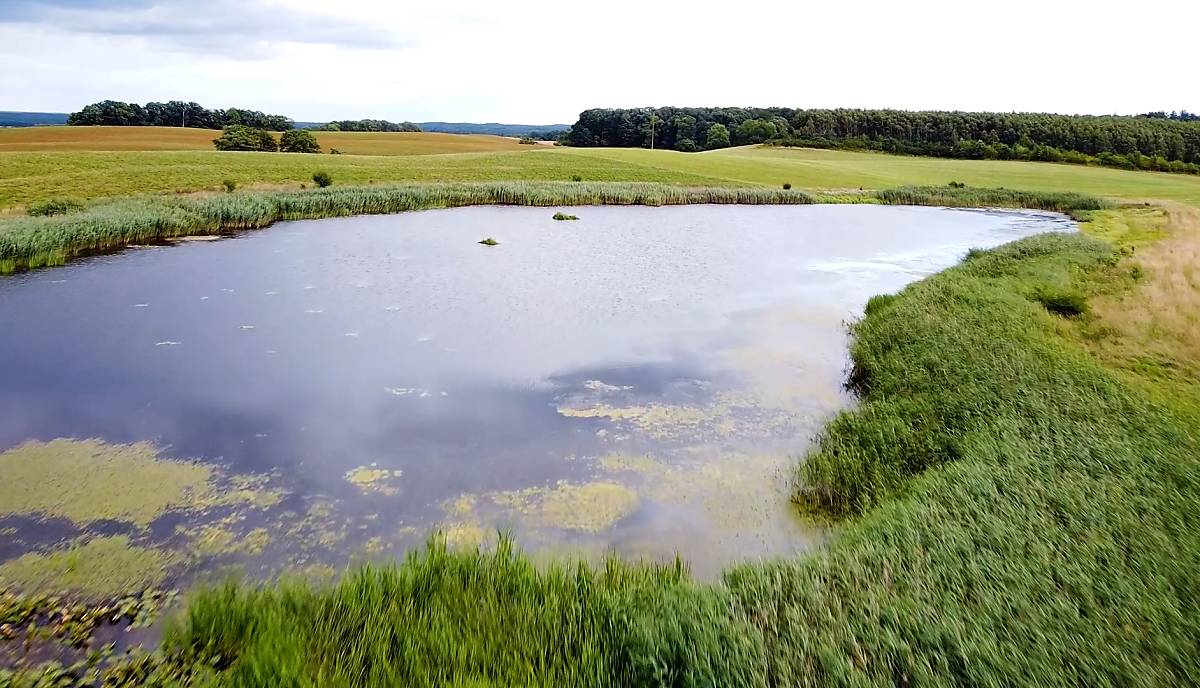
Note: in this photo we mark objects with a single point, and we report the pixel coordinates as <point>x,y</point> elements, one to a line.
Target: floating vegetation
<point>89,480</point>
<point>97,567</point>
<point>490,242</point>
<point>657,420</point>
<point>84,481</point>
<point>590,507</point>
<point>372,479</point>
<point>221,540</point>
<point>564,216</point>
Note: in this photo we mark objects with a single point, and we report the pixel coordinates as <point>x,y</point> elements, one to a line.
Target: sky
<point>541,62</point>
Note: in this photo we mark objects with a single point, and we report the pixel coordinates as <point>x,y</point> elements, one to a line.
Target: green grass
<point>30,242</point>
<point>28,176</point>
<point>1030,518</point>
<point>470,618</point>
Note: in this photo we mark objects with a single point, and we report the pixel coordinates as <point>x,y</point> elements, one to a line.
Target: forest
<point>1157,141</point>
<point>175,113</point>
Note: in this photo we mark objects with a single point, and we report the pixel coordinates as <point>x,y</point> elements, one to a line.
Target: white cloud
<point>542,62</point>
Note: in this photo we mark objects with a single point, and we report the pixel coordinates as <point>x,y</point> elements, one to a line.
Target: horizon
<point>295,57</point>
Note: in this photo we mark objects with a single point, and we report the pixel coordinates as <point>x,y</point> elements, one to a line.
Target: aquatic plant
<point>962,196</point>
<point>564,216</point>
<point>445,617</point>
<point>489,242</point>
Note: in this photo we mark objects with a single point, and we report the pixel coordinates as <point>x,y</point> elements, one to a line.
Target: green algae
<point>589,507</point>
<point>89,480</point>
<point>99,567</point>
<point>84,481</point>
<point>372,479</point>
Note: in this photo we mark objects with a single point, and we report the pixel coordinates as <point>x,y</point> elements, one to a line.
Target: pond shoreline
<point>112,224</point>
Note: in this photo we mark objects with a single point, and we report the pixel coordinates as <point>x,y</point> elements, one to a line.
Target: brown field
<point>41,139</point>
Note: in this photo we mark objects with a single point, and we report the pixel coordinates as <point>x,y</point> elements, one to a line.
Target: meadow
<point>1016,493</point>
<point>29,176</point>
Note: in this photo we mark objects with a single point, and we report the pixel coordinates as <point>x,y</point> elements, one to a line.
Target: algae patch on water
<point>590,507</point>
<point>371,479</point>
<point>100,567</point>
<point>90,480</point>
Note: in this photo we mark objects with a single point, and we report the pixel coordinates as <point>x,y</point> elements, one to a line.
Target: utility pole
<point>184,124</point>
<point>653,121</point>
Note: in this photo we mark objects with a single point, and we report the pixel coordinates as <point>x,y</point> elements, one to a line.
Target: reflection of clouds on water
<point>715,359</point>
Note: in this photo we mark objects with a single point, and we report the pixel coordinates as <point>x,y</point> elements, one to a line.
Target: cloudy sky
<point>534,61</point>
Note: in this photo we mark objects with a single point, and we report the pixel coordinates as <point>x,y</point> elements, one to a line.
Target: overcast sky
<point>542,62</point>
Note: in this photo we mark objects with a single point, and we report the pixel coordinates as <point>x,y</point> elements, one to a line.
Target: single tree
<point>298,141</point>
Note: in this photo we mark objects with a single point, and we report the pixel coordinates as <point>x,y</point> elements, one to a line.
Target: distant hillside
<point>31,119</point>
<point>491,128</point>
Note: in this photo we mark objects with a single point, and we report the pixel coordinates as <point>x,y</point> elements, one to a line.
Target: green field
<point>1016,494</point>
<point>33,176</point>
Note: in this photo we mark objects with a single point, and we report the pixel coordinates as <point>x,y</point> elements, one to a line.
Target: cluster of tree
<point>945,134</point>
<point>367,125</point>
<point>175,113</point>
<point>1180,116</point>
<point>240,137</point>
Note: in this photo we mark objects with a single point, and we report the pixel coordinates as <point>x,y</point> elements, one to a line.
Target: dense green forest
<point>367,125</point>
<point>1157,141</point>
<point>175,113</point>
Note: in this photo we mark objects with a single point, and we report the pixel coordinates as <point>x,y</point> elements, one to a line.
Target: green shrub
<point>298,141</point>
<point>787,186</point>
<point>322,179</point>
<point>54,206</point>
<point>576,178</point>
<point>1064,302</point>
<point>957,185</point>
<point>230,185</point>
<point>239,137</point>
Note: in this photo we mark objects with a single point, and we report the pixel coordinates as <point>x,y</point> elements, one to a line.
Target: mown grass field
<point>33,176</point>
<point>47,139</point>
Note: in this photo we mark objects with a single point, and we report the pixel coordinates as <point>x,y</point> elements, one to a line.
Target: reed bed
<point>961,196</point>
<point>30,242</point>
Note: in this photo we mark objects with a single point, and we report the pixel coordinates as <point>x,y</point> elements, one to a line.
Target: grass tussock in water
<point>30,242</point>
<point>472,618</point>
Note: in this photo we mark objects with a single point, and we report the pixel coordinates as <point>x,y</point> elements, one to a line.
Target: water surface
<point>641,380</point>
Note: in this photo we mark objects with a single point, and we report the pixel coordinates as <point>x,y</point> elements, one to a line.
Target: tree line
<point>1169,143</point>
<point>175,113</point>
<point>367,125</point>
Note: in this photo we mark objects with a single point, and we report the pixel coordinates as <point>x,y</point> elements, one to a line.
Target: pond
<point>640,381</point>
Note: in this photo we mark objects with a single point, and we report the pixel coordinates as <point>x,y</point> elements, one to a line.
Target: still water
<point>642,380</point>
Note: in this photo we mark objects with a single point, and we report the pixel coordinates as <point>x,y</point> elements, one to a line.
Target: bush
<point>322,179</point>
<point>242,138</point>
<point>230,185</point>
<point>787,186</point>
<point>1066,303</point>
<point>528,140</point>
<point>957,185</point>
<point>576,178</point>
<point>54,206</point>
<point>299,141</point>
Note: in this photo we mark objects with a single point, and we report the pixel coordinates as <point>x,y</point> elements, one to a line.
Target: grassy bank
<point>36,241</point>
<point>29,242</point>
<point>1018,508</point>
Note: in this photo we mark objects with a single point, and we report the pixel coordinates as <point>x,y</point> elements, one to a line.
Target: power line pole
<point>184,124</point>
